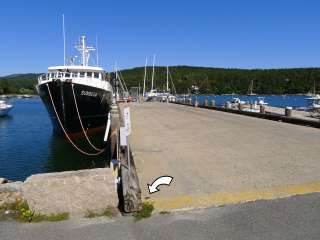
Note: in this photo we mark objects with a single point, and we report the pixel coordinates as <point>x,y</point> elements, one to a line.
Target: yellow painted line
<point>205,200</point>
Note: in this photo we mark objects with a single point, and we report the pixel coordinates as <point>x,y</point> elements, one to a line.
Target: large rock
<point>73,191</point>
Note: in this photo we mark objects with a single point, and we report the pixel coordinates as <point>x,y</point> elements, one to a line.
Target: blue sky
<point>226,34</point>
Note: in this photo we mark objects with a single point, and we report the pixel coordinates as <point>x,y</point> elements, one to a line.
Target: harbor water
<point>28,145</point>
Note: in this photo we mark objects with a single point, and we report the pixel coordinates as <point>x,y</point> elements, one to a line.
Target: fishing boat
<point>77,97</point>
<point>5,108</point>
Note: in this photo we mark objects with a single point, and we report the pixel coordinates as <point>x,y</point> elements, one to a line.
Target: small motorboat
<point>5,108</point>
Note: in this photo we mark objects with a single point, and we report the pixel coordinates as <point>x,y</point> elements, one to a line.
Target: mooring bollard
<point>205,102</point>
<point>288,111</point>
<point>240,106</point>
<point>227,105</point>
<point>189,100</point>
<point>213,103</point>
<point>262,108</point>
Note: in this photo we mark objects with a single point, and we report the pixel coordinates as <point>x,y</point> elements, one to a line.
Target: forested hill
<point>14,83</point>
<point>220,80</point>
<point>226,81</point>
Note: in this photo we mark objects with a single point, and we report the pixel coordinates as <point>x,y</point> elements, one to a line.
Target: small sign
<point>127,120</point>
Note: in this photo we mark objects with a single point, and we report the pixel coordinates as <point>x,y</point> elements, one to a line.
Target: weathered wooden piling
<point>262,108</point>
<point>240,106</point>
<point>189,100</point>
<point>288,111</point>
<point>213,103</point>
<point>227,105</point>
<point>130,182</point>
<point>205,102</point>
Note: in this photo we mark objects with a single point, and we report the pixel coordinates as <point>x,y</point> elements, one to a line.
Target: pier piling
<point>262,108</point>
<point>240,106</point>
<point>288,111</point>
<point>227,105</point>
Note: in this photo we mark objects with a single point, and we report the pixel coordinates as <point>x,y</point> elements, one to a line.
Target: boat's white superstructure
<point>261,101</point>
<point>81,74</point>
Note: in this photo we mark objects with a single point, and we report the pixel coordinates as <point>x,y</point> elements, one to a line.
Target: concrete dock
<point>218,157</point>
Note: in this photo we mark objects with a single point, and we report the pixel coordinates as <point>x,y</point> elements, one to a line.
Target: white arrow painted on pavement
<point>165,180</point>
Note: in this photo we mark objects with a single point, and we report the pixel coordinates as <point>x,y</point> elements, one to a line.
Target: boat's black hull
<point>93,105</point>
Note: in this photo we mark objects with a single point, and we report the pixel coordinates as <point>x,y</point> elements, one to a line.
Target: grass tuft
<point>164,212</point>
<point>109,212</point>
<point>145,212</point>
<point>91,214</point>
<point>21,213</point>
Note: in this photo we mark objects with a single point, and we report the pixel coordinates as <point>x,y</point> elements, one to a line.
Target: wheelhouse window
<point>67,75</point>
<point>96,75</point>
<point>52,75</point>
<point>75,75</point>
<point>89,74</point>
<point>82,74</point>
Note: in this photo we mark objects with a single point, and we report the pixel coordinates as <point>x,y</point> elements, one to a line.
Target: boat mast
<point>154,57</point>
<point>145,75</point>
<point>64,44</point>
<point>84,50</point>
<point>167,79</point>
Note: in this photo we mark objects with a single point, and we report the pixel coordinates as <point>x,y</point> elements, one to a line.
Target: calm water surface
<point>28,145</point>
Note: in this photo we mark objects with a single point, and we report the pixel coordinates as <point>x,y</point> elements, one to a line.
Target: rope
<point>75,101</point>
<point>90,154</point>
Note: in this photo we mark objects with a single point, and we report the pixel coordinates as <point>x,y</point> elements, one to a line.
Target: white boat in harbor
<point>5,108</point>
<point>313,102</point>
<point>261,101</point>
<point>249,92</point>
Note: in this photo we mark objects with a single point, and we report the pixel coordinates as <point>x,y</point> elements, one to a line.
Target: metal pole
<point>185,81</point>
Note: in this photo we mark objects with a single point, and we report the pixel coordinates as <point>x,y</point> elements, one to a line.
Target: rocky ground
<point>10,191</point>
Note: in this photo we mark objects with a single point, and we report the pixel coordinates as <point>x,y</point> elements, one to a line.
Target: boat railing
<point>75,78</point>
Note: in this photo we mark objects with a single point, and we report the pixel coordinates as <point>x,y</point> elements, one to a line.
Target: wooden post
<point>131,192</point>
<point>205,102</point>
<point>288,111</point>
<point>262,108</point>
<point>227,105</point>
<point>213,103</point>
<point>240,106</point>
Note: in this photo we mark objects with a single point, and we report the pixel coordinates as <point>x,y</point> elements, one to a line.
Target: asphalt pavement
<point>295,217</point>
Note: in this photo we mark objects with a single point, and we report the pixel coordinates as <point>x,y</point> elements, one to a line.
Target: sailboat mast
<point>145,75</point>
<point>154,57</point>
<point>167,78</point>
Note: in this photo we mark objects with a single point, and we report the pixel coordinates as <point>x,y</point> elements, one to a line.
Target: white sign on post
<point>127,120</point>
<point>128,131</point>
